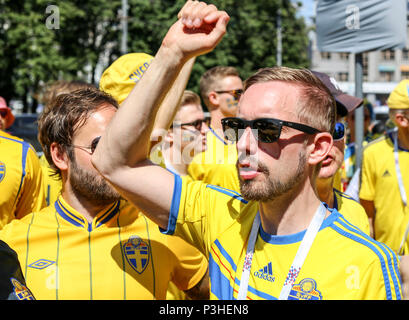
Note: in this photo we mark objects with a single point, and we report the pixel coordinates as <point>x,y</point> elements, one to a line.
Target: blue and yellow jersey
<point>379,183</point>
<point>120,255</point>
<point>216,165</point>
<point>351,210</point>
<point>21,179</point>
<point>52,183</point>
<point>343,263</point>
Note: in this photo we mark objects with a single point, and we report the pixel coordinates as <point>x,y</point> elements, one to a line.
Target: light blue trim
<point>174,208</point>
<point>225,254</point>
<point>217,136</point>
<point>228,192</point>
<point>373,248</point>
<point>220,285</point>
<point>297,237</point>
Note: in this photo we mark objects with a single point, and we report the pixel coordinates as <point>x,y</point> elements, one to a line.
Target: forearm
<point>127,137</point>
<point>170,104</point>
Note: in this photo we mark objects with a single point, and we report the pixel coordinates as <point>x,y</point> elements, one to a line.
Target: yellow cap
<point>399,97</point>
<point>120,77</point>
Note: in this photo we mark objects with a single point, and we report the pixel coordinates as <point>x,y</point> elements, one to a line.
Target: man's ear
<point>321,146</point>
<point>213,98</point>
<point>401,120</point>
<point>59,156</point>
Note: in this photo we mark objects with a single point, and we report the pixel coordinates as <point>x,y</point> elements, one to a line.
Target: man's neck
<point>325,191</point>
<point>216,121</point>
<point>403,138</point>
<point>179,166</point>
<point>89,209</point>
<point>289,213</point>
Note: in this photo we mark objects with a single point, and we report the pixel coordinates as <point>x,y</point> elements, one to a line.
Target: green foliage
<point>89,36</point>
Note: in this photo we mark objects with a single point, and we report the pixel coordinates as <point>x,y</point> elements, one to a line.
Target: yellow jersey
<point>343,262</point>
<point>21,179</point>
<point>216,165</point>
<point>52,183</point>
<point>379,183</point>
<point>351,210</point>
<point>120,255</point>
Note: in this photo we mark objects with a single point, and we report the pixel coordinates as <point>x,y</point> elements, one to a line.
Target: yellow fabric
<point>52,183</point>
<point>120,255</point>
<point>343,263</point>
<point>352,211</point>
<point>379,183</point>
<point>121,76</point>
<point>21,179</point>
<point>216,165</point>
<point>399,97</point>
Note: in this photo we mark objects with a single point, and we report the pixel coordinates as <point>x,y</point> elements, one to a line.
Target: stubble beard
<point>273,187</point>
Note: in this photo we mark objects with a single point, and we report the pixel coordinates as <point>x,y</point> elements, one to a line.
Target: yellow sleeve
<point>367,188</point>
<point>32,197</point>
<point>191,264</point>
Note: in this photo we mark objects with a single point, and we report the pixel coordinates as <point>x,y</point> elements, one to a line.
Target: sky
<point>307,9</point>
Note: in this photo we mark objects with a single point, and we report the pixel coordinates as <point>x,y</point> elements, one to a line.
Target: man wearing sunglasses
<point>220,89</point>
<point>185,138</point>
<point>281,242</point>
<point>91,244</point>
<point>328,180</point>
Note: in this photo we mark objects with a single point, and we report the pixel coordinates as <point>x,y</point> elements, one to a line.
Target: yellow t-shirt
<point>343,263</point>
<point>52,183</point>
<point>120,255</point>
<point>351,210</point>
<point>216,165</point>
<point>379,183</point>
<point>21,179</point>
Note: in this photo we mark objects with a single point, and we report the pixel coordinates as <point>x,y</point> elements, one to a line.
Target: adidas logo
<point>265,273</point>
<point>386,173</point>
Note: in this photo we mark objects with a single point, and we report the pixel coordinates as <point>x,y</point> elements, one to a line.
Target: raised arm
<point>122,153</point>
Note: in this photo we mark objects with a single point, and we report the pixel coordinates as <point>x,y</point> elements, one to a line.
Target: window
<point>344,55</point>
<point>404,75</point>
<point>325,55</point>
<point>386,76</point>
<point>405,54</point>
<point>342,76</point>
<point>388,55</point>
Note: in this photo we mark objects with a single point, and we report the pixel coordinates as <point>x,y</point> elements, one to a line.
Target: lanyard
<point>299,258</point>
<point>401,187</point>
<point>398,173</point>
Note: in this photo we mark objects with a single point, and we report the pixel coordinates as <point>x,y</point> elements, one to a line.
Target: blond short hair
<point>317,108</point>
<point>210,80</point>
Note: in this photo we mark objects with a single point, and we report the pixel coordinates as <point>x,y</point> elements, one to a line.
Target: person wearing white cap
<point>385,176</point>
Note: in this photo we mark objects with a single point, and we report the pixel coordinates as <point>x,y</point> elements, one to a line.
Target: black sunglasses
<point>92,147</point>
<point>268,129</point>
<point>339,131</point>
<point>197,124</point>
<point>235,93</point>
<point>3,113</point>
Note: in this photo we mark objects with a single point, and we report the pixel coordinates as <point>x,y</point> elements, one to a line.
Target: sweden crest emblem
<point>21,291</point>
<point>2,170</point>
<point>137,253</point>
<point>305,290</point>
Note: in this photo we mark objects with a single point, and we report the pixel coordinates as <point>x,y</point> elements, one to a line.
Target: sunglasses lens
<point>94,144</point>
<point>267,131</point>
<point>231,129</point>
<point>3,113</point>
<point>339,131</point>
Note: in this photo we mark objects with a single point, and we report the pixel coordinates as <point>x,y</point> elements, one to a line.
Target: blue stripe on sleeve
<point>374,249</point>
<point>220,285</point>
<point>174,208</point>
<point>392,265</point>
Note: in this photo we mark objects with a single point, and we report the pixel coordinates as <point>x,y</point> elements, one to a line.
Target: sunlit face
<point>85,181</point>
<point>333,161</point>
<point>228,103</point>
<point>268,170</point>
<point>190,140</point>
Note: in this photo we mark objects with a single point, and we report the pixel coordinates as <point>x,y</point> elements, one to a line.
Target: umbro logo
<point>265,273</point>
<point>386,173</point>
